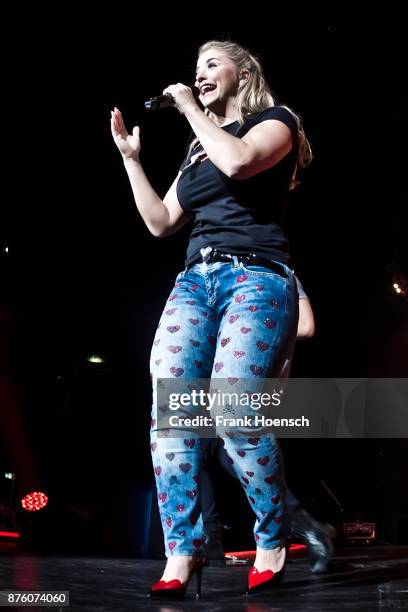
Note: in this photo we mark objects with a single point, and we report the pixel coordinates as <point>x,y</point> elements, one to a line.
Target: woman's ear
<point>244,77</point>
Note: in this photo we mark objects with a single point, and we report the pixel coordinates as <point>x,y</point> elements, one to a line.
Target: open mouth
<point>205,89</point>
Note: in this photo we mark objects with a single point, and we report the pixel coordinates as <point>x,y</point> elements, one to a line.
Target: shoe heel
<point>162,590</point>
<point>199,574</point>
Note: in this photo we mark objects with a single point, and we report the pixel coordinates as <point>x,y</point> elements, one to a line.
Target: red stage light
<point>9,534</point>
<point>34,501</point>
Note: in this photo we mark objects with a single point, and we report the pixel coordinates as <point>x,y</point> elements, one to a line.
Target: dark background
<point>81,274</point>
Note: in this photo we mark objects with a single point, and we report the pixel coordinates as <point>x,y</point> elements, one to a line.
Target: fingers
<point>118,116</point>
<point>176,88</point>
<point>114,121</point>
<point>182,95</point>
<point>114,128</point>
<point>117,123</point>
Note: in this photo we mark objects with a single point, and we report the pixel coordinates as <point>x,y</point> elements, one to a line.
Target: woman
<point>234,310</point>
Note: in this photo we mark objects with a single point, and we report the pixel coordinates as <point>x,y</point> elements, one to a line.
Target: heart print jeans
<point>234,321</point>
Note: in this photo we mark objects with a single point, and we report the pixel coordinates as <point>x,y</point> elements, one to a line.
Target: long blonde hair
<point>255,96</point>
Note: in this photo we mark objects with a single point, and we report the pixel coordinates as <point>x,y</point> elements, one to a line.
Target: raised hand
<point>128,144</point>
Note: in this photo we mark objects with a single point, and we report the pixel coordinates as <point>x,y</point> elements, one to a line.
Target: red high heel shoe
<point>175,589</point>
<point>259,581</point>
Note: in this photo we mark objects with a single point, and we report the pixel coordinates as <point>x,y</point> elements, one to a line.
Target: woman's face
<point>216,78</point>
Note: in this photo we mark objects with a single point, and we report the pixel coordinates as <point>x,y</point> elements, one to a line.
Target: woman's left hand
<point>183,97</point>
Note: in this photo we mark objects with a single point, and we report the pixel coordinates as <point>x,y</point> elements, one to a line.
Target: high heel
<point>175,589</point>
<point>317,536</point>
<point>260,581</point>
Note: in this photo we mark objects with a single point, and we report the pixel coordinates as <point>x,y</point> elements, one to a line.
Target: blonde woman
<point>234,310</point>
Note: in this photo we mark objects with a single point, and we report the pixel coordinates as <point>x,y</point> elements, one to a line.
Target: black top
<point>239,216</point>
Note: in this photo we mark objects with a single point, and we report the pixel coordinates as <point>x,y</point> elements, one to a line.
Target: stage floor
<point>363,579</point>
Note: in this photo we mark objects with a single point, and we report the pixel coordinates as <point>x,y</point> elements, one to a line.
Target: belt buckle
<point>206,253</point>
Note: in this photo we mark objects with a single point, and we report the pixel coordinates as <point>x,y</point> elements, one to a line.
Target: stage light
<point>400,287</point>
<point>9,534</point>
<point>9,476</point>
<point>95,359</point>
<point>397,288</point>
<point>398,280</point>
<point>34,501</point>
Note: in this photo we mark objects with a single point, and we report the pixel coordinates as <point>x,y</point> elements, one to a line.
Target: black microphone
<point>166,100</point>
<point>159,102</point>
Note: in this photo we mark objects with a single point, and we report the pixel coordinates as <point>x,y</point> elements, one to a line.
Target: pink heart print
<point>176,371</point>
<point>174,349</point>
<point>263,460</point>
<point>263,346</point>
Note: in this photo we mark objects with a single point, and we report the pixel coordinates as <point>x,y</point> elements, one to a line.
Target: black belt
<point>248,259</point>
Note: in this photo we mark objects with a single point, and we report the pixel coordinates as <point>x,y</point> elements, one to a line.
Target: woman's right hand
<point>128,144</point>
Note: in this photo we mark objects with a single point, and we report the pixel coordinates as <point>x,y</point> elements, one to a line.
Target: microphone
<point>159,102</point>
<point>165,100</point>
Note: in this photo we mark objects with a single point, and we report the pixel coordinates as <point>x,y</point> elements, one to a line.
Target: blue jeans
<point>214,456</point>
<point>231,321</point>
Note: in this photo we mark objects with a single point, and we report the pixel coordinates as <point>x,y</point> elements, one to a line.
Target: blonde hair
<point>255,96</point>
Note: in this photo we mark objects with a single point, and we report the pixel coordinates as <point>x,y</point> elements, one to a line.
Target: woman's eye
<point>210,65</point>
